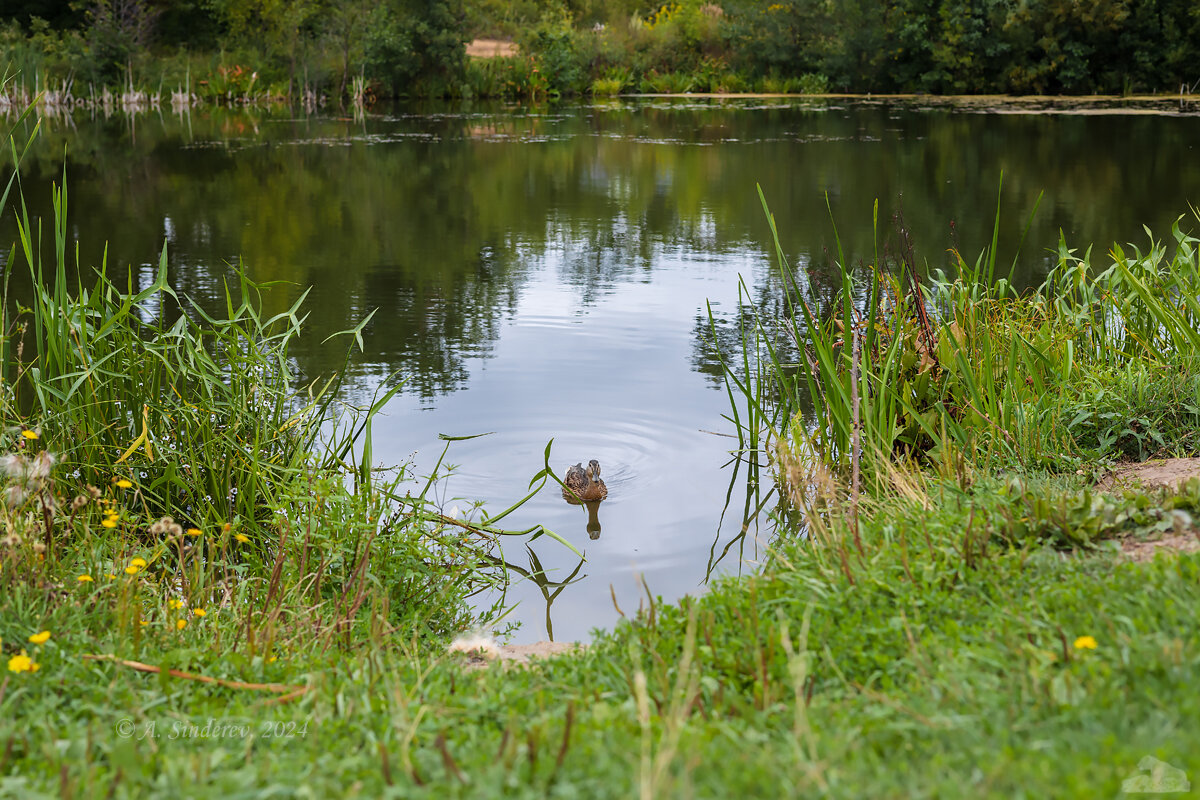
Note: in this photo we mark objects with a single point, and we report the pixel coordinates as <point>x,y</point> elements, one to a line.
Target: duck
<point>585,484</point>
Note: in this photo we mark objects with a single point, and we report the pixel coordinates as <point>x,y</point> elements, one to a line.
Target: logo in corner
<point>1156,777</point>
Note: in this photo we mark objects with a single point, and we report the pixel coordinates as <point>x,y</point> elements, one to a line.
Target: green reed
<point>966,373</point>
<point>196,409</point>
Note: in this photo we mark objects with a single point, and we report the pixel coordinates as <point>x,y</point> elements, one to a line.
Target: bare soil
<point>490,48</point>
<point>1139,550</point>
<point>480,651</point>
<point>1160,473</point>
<point>1157,473</point>
<point>523,653</point>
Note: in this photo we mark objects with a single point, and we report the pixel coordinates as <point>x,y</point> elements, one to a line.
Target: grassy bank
<point>928,675</point>
<point>942,662</point>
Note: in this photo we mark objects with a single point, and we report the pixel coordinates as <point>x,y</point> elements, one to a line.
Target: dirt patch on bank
<point>1137,550</point>
<point>491,48</point>
<point>481,650</point>
<point>523,653</point>
<point>1159,473</point>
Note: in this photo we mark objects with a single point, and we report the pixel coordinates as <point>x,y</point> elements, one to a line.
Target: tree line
<point>417,47</point>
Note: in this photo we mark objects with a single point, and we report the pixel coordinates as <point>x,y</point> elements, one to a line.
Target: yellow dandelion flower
<point>1085,643</point>
<point>22,663</point>
<point>109,522</point>
<point>144,622</point>
<point>199,612</point>
<point>84,579</point>
<point>271,660</point>
<point>40,638</point>
<point>194,532</point>
<point>241,537</point>
<point>30,434</point>
<point>173,604</point>
<point>124,483</point>
<point>132,569</point>
<point>181,624</point>
<point>110,576</point>
<point>138,561</point>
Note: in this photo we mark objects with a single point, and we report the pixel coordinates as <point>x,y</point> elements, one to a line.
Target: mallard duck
<point>585,484</point>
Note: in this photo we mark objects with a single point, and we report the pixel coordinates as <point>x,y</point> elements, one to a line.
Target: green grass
<point>916,672</point>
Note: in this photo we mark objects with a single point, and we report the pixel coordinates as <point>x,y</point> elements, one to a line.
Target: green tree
<point>418,47</point>
<point>283,28</point>
<point>784,38</point>
<point>347,25</point>
<point>60,14</point>
<point>117,29</point>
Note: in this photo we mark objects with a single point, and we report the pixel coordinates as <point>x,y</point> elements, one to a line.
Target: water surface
<point>544,273</point>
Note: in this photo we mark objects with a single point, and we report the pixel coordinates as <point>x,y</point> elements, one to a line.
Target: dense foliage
<point>417,47</point>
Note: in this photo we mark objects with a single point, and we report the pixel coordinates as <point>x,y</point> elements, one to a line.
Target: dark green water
<point>543,272</point>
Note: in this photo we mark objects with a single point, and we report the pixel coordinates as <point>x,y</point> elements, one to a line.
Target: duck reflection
<point>584,487</point>
<point>593,523</point>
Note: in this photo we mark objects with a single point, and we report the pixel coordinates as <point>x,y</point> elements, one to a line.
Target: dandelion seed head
<point>43,462</point>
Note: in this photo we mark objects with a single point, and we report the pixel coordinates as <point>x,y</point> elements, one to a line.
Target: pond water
<point>544,273</point>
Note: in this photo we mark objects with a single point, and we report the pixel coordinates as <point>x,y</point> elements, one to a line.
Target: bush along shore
<point>202,594</point>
